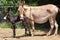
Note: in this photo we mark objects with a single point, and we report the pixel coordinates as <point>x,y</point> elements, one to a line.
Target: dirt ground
<point>6,34</point>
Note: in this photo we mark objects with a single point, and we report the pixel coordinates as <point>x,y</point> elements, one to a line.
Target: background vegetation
<point>6,24</point>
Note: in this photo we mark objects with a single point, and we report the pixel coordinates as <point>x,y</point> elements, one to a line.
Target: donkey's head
<point>21,10</point>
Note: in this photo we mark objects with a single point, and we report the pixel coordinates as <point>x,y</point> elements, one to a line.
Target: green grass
<point>32,4</point>
<point>7,24</point>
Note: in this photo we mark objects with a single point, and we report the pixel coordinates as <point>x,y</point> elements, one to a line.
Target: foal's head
<point>6,14</point>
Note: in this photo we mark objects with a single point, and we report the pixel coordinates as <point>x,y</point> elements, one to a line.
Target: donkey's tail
<point>59,10</point>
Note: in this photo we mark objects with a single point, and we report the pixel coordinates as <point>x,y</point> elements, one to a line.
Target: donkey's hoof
<point>14,36</point>
<point>29,35</point>
<point>26,34</point>
<point>55,34</point>
<point>32,35</point>
<point>48,34</point>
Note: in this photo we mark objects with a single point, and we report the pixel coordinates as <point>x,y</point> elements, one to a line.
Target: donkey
<point>14,20</point>
<point>40,14</point>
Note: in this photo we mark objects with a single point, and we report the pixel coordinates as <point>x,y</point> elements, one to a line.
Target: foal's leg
<point>51,20</point>
<point>56,26</point>
<point>14,27</point>
<point>24,24</point>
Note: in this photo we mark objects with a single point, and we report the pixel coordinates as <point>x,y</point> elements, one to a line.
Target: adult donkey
<point>14,20</point>
<point>40,14</point>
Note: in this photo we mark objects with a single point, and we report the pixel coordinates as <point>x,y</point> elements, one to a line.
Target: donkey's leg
<point>56,26</point>
<point>29,30</point>
<point>29,27</point>
<point>33,28</point>
<point>51,20</point>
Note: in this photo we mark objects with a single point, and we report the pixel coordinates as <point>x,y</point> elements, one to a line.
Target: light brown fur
<point>41,14</point>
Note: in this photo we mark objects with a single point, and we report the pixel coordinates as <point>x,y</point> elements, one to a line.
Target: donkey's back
<point>50,7</point>
<point>41,13</point>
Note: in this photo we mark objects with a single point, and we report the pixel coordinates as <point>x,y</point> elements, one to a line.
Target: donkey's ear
<point>25,9</point>
<point>23,2</point>
<point>19,3</point>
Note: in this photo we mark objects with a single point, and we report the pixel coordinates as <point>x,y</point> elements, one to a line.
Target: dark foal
<point>14,20</point>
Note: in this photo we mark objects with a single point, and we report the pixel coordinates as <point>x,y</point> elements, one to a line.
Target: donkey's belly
<point>41,20</point>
